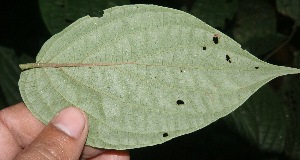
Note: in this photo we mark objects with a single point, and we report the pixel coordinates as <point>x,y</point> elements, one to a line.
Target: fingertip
<point>71,121</point>
<point>63,138</point>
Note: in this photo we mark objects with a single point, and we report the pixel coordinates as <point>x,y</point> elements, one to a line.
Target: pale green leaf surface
<point>128,69</point>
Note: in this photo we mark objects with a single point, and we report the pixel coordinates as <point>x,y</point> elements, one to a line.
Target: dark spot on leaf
<point>69,20</point>
<point>256,67</point>
<point>216,38</point>
<point>165,135</point>
<point>179,102</point>
<point>204,48</point>
<point>181,70</point>
<point>228,58</point>
<point>155,77</point>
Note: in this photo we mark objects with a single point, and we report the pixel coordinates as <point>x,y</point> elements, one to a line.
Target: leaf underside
<point>143,74</point>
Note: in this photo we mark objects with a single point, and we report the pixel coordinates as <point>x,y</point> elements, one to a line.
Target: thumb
<point>63,138</point>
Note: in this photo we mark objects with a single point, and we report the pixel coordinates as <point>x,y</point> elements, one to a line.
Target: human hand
<point>22,136</point>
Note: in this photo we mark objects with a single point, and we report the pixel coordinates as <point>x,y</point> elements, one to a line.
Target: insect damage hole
<point>256,67</point>
<point>180,102</point>
<point>204,48</point>
<point>228,58</point>
<point>165,135</point>
<point>216,38</point>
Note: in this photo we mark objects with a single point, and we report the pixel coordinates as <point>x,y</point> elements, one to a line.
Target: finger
<point>89,152</point>
<point>113,155</point>
<point>18,128</point>
<point>62,138</point>
<point>21,123</point>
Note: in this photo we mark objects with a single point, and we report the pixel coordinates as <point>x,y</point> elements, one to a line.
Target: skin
<point>22,136</point>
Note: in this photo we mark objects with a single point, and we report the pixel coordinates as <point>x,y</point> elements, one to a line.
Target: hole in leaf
<point>181,70</point>
<point>179,102</point>
<point>165,135</point>
<point>216,38</point>
<point>204,48</point>
<point>228,58</point>
<point>256,67</point>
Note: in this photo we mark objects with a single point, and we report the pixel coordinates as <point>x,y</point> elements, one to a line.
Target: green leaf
<point>144,74</point>
<point>290,8</point>
<point>58,14</point>
<point>261,120</point>
<point>9,75</point>
<point>257,32</point>
<point>215,12</point>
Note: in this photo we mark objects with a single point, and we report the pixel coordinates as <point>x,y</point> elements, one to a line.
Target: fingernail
<point>71,121</point>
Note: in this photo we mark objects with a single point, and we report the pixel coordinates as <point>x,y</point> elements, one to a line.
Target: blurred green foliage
<point>58,14</point>
<point>290,8</point>
<point>253,30</point>
<point>267,126</point>
<point>215,12</point>
<point>9,76</point>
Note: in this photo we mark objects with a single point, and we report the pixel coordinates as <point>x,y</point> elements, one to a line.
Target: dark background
<point>266,28</point>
